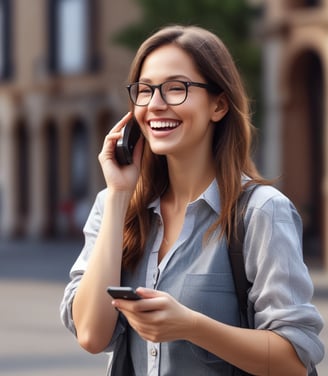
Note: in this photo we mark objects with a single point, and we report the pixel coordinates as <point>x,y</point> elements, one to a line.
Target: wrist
<point>191,326</point>
<point>117,199</point>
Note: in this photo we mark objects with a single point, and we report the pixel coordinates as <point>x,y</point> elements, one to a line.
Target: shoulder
<point>264,194</point>
<point>267,201</point>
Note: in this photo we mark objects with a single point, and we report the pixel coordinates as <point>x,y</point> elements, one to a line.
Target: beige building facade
<point>62,84</point>
<point>295,51</point>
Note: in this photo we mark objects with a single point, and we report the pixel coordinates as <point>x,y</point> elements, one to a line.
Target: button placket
<point>153,351</point>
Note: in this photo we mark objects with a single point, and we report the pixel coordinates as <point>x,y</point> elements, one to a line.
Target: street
<point>33,340</point>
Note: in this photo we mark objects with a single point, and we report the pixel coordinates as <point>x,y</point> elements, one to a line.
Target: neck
<point>188,180</point>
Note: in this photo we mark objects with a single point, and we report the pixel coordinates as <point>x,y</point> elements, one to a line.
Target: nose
<point>156,100</point>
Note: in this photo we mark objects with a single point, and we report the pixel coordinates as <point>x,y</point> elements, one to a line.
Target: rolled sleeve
<point>282,288</point>
<point>67,302</point>
<point>90,231</point>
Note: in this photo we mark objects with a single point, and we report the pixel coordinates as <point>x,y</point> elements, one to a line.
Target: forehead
<point>168,61</point>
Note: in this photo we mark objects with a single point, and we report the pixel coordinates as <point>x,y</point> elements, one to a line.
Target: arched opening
<point>104,122</point>
<point>303,149</point>
<point>295,4</point>
<point>22,183</point>
<point>79,173</point>
<point>51,172</point>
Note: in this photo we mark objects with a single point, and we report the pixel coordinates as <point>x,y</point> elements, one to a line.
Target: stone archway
<point>302,137</point>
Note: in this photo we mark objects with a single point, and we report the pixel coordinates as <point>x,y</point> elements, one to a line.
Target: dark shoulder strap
<point>235,248</point>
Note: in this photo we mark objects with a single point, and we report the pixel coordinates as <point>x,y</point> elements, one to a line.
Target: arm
<point>259,352</point>
<point>93,315</point>
<point>160,318</point>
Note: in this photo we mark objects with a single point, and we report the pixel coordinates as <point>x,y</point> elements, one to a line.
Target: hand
<point>157,317</point>
<point>122,178</point>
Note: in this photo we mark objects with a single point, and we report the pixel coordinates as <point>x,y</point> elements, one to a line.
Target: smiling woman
<point>163,224</point>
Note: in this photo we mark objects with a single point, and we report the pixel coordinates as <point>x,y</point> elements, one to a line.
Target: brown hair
<point>231,140</point>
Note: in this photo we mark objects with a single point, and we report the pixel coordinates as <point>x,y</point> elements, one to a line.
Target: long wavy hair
<point>232,139</point>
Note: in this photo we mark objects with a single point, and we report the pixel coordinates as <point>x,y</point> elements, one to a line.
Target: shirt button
<point>153,351</point>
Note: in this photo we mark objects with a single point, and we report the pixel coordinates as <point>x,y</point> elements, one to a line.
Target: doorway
<point>303,149</point>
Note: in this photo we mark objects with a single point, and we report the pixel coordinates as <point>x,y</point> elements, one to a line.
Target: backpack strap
<point>235,248</point>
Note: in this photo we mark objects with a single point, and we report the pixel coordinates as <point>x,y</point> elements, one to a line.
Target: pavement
<point>33,341</point>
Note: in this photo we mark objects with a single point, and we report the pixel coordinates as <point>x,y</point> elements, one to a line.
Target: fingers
<point>115,133</point>
<point>140,306</point>
<point>151,300</point>
<point>120,124</point>
<point>149,293</point>
<point>157,316</point>
<point>108,149</point>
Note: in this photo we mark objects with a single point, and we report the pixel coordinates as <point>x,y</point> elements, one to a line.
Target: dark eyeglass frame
<point>186,84</point>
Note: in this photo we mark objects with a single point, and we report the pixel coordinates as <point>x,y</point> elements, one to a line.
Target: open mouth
<point>164,125</point>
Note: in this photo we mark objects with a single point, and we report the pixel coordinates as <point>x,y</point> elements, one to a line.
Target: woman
<point>162,224</point>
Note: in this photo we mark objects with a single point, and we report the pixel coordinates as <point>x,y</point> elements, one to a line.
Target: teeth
<point>163,124</point>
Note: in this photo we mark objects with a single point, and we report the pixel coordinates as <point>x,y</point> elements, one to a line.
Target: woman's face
<point>183,130</point>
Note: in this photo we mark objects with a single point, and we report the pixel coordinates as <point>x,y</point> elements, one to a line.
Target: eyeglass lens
<point>172,92</point>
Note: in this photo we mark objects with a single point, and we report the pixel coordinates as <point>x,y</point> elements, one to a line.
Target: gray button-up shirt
<point>198,274</point>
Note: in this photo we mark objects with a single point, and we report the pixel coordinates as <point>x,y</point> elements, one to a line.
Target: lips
<point>163,124</point>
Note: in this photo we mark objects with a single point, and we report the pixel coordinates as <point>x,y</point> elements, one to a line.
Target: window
<point>2,40</point>
<point>70,36</point>
<point>312,3</point>
<point>293,4</point>
<point>5,40</point>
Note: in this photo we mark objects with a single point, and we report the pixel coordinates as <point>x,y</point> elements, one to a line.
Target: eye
<point>144,89</point>
<point>174,86</point>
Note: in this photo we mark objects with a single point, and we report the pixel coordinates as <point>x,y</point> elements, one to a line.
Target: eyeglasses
<point>173,92</point>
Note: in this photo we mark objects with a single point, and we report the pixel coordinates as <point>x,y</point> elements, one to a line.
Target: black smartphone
<point>127,293</point>
<point>125,145</point>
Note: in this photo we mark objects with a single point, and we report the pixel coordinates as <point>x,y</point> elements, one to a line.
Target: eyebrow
<point>174,77</point>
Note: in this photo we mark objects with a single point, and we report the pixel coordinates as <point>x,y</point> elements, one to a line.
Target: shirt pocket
<point>214,296</point>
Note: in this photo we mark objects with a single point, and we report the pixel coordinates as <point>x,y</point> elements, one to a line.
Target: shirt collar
<point>210,196</point>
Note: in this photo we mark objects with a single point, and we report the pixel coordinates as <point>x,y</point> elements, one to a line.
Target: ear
<point>221,107</point>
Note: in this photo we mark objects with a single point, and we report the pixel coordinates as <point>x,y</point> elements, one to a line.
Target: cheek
<point>139,114</point>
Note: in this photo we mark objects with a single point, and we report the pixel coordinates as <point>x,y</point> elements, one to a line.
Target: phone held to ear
<point>127,293</point>
<point>125,145</point>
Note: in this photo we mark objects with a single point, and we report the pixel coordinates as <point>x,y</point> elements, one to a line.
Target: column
<point>37,217</point>
<point>272,122</point>
<point>8,212</point>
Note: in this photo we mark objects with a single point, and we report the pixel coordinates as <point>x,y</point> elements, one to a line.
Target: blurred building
<point>295,35</point>
<point>61,88</point>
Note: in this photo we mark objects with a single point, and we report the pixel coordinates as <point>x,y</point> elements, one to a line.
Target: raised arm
<point>94,317</point>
